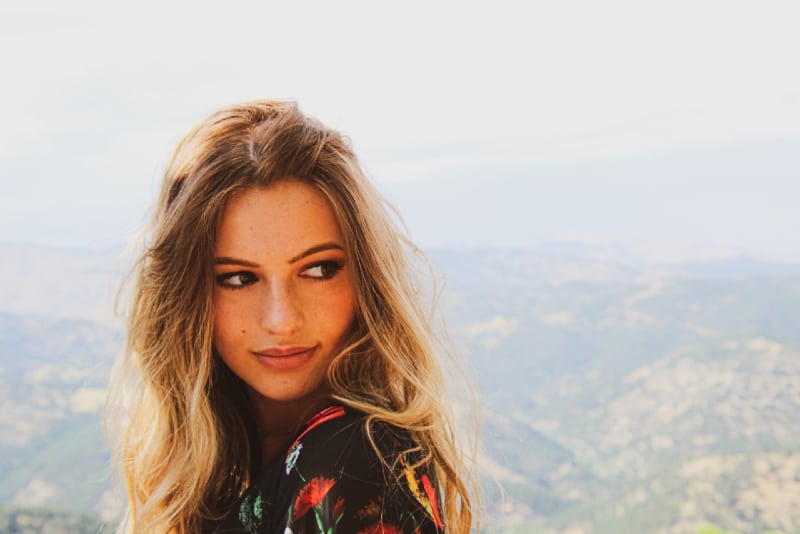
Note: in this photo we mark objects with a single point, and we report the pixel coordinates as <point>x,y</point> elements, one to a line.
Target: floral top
<point>331,480</point>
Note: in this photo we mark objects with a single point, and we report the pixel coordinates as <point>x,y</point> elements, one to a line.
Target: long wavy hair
<point>179,419</point>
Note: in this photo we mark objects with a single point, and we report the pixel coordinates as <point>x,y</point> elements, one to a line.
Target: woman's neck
<point>278,422</point>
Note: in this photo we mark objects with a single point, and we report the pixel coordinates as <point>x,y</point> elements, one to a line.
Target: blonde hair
<point>183,426</point>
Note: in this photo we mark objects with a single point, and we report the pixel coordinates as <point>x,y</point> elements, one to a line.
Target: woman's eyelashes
<point>323,270</point>
<point>236,280</point>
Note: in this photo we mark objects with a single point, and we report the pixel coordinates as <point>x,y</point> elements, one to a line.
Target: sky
<point>486,123</point>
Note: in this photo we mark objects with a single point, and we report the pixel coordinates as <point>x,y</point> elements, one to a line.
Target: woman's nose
<point>281,311</point>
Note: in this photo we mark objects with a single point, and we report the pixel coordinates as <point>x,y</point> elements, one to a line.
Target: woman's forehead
<point>283,219</point>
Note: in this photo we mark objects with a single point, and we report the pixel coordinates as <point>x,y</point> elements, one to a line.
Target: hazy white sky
<point>95,95</point>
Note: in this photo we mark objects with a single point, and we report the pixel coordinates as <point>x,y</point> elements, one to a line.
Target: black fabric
<point>332,481</point>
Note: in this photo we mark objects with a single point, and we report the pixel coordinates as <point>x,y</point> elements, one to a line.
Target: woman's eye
<point>236,280</point>
<point>322,270</point>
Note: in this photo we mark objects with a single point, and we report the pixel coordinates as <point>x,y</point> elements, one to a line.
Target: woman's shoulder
<point>340,439</point>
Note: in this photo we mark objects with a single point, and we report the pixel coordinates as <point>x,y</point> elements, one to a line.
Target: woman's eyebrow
<point>224,260</point>
<point>227,260</point>
<point>315,249</point>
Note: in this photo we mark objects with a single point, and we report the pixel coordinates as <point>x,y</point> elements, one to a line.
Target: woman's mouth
<point>285,357</point>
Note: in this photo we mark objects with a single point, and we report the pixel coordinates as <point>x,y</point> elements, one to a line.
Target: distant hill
<point>53,375</point>
<point>619,395</point>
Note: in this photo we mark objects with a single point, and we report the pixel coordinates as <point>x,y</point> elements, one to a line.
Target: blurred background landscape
<point>610,190</point>
<point>618,394</point>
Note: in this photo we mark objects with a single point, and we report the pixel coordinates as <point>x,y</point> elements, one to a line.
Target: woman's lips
<point>282,358</point>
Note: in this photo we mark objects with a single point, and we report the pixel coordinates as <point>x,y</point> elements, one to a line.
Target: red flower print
<point>338,508</point>
<point>381,528</point>
<point>430,491</point>
<point>371,511</point>
<point>427,496</point>
<point>311,495</point>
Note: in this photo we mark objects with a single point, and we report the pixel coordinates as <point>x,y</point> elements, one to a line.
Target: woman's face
<point>284,297</point>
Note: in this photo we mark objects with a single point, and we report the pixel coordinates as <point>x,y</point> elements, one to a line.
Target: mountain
<point>53,375</point>
<point>673,387</point>
<point>619,394</point>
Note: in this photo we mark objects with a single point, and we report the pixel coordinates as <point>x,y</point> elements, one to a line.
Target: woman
<point>280,374</point>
